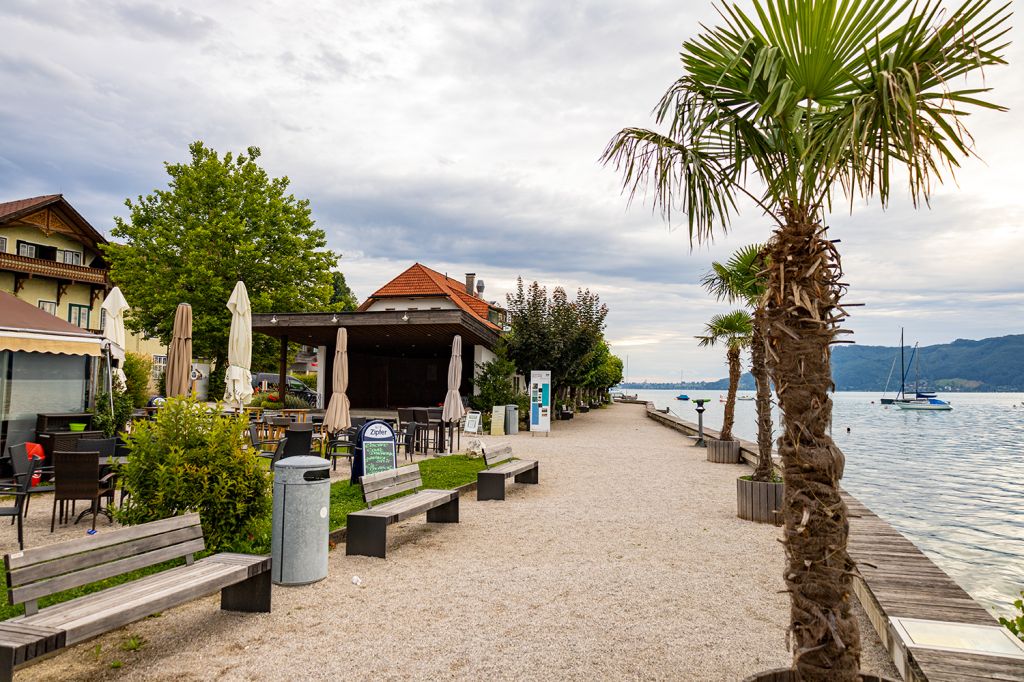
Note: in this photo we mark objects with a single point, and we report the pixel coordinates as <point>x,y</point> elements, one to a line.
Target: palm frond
<point>733,329</point>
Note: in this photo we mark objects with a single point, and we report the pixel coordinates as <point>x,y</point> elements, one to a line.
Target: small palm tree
<point>741,278</point>
<point>733,330</point>
<point>792,106</point>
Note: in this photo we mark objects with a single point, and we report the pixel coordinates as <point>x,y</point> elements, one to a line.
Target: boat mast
<point>903,369</point>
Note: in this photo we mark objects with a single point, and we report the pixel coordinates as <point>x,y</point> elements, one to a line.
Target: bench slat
<point>36,555</point>
<point>516,467</point>
<point>375,482</point>
<point>497,453</point>
<point>40,571</point>
<point>392,490</point>
<point>143,599</point>
<point>43,588</point>
<point>405,507</point>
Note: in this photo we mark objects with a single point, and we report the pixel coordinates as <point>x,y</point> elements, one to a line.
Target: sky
<point>466,136</point>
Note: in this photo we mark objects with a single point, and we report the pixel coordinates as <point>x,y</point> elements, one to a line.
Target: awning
<point>27,341</point>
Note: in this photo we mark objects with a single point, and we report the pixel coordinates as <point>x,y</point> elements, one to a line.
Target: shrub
<point>1016,624</point>
<point>191,459</point>
<point>137,369</point>
<point>309,378</point>
<point>114,423</point>
<point>494,382</point>
<point>270,401</point>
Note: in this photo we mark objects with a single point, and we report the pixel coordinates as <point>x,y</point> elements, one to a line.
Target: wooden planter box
<point>723,451</point>
<point>759,501</point>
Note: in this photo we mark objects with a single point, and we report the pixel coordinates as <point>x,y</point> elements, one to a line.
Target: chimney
<point>470,281</point>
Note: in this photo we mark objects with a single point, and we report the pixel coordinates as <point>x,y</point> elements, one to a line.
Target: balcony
<point>38,267</point>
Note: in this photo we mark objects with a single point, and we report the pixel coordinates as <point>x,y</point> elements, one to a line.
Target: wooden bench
<point>490,483</point>
<point>367,529</point>
<point>242,579</point>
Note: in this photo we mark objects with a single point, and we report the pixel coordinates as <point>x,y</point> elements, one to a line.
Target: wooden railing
<point>48,268</point>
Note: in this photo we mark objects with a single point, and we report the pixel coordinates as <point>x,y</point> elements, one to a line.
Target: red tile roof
<point>419,280</point>
<point>20,206</point>
<point>12,210</point>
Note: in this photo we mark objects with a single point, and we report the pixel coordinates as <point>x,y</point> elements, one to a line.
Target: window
<point>26,250</point>
<point>69,257</point>
<point>3,244</point>
<point>159,365</point>
<point>79,315</point>
<point>48,306</point>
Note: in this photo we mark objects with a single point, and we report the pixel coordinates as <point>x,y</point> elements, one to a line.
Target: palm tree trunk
<point>802,315</point>
<point>759,368</point>
<point>730,400</point>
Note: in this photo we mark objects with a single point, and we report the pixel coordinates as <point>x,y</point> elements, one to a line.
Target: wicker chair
<point>22,466</point>
<point>20,491</point>
<point>78,478</point>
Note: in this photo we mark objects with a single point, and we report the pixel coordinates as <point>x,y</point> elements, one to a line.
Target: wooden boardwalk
<point>899,581</point>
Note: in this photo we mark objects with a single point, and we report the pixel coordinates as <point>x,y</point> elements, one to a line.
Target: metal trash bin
<point>511,419</point>
<point>301,520</point>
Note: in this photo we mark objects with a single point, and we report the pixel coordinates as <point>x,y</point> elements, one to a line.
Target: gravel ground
<point>627,561</point>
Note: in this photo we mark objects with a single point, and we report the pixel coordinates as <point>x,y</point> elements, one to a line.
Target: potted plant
<point>733,330</point>
<point>741,278</point>
<point>792,107</point>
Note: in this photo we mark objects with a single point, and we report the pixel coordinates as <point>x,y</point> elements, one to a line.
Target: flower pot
<point>789,675</point>
<point>723,451</point>
<point>76,426</point>
<point>759,501</point>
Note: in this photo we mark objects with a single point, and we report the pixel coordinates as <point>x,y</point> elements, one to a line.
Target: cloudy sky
<point>465,135</point>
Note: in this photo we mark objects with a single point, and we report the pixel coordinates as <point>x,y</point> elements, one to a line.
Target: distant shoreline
<point>716,386</point>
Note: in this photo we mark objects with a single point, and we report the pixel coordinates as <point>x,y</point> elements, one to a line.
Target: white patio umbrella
<point>113,331</point>
<point>453,409</point>
<point>238,379</point>
<point>337,416</point>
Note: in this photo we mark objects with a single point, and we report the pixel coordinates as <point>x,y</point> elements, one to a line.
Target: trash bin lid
<point>295,469</point>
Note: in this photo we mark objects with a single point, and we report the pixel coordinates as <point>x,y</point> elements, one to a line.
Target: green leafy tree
<point>137,369</point>
<point>342,298</point>
<point>789,107</point>
<point>494,383</point>
<point>732,330</point>
<point>221,219</point>
<point>111,423</point>
<point>741,279</point>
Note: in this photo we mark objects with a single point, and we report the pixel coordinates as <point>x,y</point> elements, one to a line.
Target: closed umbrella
<point>238,380</point>
<point>453,410</point>
<point>115,306</point>
<point>337,416</point>
<point>179,353</point>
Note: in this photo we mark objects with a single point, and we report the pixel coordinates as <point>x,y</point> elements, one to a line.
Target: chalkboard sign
<point>376,449</point>
<point>472,422</point>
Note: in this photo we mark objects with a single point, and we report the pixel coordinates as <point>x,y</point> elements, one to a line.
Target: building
<point>399,340</point>
<point>51,257</point>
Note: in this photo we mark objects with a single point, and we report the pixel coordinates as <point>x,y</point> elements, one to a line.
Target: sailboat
<point>901,396</point>
<point>923,400</point>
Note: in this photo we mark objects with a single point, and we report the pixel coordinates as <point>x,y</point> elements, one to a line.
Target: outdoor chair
<point>21,495</point>
<point>105,446</point>
<point>340,445</point>
<point>424,430</point>
<point>409,438</point>
<point>435,415</point>
<point>300,440</point>
<point>358,422</point>
<point>78,478</point>
<point>278,453</point>
<point>405,415</point>
<point>22,467</point>
<point>255,440</point>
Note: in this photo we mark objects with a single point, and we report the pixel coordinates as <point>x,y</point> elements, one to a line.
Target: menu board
<point>498,420</point>
<point>376,449</point>
<point>472,422</point>
<point>540,401</point>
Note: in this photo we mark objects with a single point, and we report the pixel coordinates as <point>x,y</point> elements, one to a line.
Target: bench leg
<point>530,476</point>
<point>6,664</point>
<point>252,595</point>
<point>446,513</point>
<point>490,486</point>
<point>367,536</point>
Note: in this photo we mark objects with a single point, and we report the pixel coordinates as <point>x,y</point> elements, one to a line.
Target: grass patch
<point>442,473</point>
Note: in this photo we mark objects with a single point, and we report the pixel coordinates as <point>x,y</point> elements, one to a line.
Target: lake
<point>952,482</point>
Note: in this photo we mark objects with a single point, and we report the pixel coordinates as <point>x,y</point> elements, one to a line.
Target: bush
<point>112,424</point>
<point>137,369</point>
<point>494,382</point>
<point>191,459</point>
<point>1016,624</point>
<point>309,378</point>
<point>270,401</point>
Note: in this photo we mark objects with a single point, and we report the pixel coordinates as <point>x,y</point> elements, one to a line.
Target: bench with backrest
<point>367,528</point>
<point>490,483</point>
<point>243,581</point>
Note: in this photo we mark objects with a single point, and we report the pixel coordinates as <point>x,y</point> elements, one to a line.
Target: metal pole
<point>700,424</point>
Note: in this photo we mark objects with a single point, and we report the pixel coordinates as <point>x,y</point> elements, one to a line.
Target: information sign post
<point>540,402</point>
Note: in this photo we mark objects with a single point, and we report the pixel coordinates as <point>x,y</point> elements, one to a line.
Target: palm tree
<point>733,330</point>
<point>796,104</point>
<point>741,279</point>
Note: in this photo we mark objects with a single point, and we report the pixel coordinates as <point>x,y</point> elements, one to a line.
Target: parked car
<point>295,387</point>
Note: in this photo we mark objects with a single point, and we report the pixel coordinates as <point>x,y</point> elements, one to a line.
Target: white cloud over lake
<point>466,136</point>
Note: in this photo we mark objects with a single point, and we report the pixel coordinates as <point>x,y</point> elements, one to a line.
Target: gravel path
<point>627,561</point>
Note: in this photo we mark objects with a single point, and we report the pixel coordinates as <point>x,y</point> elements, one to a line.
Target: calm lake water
<point>952,482</point>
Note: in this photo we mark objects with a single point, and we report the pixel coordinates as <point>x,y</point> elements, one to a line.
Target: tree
<point>342,298</point>
<point>741,278</point>
<point>733,330</point>
<point>801,102</point>
<point>137,369</point>
<point>221,219</point>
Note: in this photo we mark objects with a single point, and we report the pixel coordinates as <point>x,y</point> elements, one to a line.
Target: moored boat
<point>682,396</point>
<point>933,404</point>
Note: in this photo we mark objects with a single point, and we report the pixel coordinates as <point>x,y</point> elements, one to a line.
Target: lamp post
<point>700,421</point>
